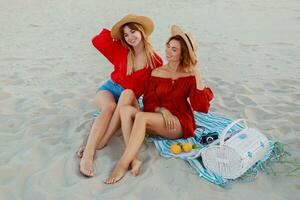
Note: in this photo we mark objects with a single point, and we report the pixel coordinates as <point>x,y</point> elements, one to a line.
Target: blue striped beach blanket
<point>213,123</point>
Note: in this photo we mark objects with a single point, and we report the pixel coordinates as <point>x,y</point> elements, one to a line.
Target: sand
<point>250,56</point>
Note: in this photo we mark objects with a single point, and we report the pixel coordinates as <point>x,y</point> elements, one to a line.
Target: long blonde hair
<point>149,50</point>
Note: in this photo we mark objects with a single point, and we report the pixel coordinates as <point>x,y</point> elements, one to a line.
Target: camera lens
<point>209,139</point>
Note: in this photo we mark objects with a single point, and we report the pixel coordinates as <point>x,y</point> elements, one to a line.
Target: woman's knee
<point>146,120</point>
<point>141,117</point>
<point>126,97</point>
<point>127,111</point>
<point>105,101</point>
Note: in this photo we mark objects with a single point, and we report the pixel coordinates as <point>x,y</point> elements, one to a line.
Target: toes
<point>84,173</point>
<point>109,181</point>
<point>87,173</point>
<point>117,174</point>
<point>80,152</point>
<point>91,173</point>
<point>136,167</point>
<point>135,173</point>
<point>113,180</point>
<point>115,177</point>
<point>85,169</point>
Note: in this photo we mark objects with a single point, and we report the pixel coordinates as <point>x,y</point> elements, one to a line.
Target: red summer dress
<point>173,95</point>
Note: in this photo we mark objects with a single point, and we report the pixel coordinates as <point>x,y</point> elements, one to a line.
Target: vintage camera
<point>207,138</point>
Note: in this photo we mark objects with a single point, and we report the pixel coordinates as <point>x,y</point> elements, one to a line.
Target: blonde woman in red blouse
<point>173,92</point>
<point>128,48</point>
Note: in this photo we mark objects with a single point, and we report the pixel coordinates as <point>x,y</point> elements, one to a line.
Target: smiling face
<point>177,51</point>
<point>173,51</point>
<point>131,36</point>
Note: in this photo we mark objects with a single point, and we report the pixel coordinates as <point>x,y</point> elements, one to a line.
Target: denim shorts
<point>112,87</point>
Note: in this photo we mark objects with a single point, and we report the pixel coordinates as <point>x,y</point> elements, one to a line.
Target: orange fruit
<point>175,148</point>
<point>187,147</point>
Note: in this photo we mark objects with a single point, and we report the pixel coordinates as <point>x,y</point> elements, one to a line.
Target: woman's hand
<point>170,119</point>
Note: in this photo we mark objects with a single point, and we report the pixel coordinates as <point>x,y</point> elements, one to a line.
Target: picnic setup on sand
<point>223,151</point>
<point>239,152</point>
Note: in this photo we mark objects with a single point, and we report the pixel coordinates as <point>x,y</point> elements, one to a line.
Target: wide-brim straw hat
<point>191,43</point>
<point>146,23</point>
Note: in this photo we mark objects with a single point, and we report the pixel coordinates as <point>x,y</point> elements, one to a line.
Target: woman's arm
<point>199,81</point>
<point>106,45</point>
<point>200,95</point>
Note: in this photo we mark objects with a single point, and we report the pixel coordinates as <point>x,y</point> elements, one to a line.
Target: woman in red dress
<point>128,48</point>
<point>173,92</point>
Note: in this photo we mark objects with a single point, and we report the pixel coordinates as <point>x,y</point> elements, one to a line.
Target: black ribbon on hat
<point>189,41</point>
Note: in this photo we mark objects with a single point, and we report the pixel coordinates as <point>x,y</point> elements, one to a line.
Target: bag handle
<point>225,131</point>
<point>221,138</point>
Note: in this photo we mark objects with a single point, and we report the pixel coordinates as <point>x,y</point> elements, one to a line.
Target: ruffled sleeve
<point>106,45</point>
<point>150,99</point>
<point>200,99</point>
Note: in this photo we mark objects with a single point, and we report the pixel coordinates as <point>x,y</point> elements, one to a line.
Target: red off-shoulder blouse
<point>174,95</point>
<point>116,53</point>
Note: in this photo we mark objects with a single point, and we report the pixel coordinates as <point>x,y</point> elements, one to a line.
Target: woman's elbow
<point>95,41</point>
<point>204,107</point>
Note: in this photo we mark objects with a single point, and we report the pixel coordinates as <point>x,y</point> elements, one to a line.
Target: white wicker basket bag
<point>231,158</point>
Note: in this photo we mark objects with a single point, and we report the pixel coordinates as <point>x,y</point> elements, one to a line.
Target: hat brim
<point>146,22</point>
<point>176,30</point>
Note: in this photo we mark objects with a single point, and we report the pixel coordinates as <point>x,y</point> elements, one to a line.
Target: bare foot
<point>86,166</point>
<point>118,173</point>
<point>80,151</point>
<point>135,167</point>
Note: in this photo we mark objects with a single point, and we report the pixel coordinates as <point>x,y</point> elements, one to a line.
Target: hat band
<point>189,41</point>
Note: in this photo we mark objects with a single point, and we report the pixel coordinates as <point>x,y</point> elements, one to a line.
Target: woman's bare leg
<point>127,98</point>
<point>143,120</point>
<point>127,118</point>
<point>106,103</point>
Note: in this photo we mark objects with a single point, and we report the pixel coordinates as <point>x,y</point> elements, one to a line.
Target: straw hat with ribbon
<point>146,22</point>
<point>189,40</point>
